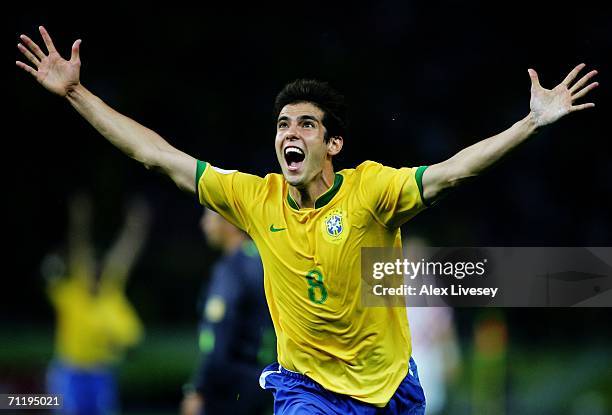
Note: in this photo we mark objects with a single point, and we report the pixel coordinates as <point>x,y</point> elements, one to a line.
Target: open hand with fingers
<point>548,105</point>
<point>52,71</point>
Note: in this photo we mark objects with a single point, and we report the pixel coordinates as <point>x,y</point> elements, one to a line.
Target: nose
<point>291,133</point>
<point>291,137</point>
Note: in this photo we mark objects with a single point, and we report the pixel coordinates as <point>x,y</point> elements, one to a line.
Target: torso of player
<point>312,269</point>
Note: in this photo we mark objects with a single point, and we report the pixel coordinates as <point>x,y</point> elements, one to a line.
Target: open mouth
<point>294,157</point>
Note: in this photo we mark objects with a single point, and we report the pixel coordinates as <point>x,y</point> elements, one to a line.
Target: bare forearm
<point>133,139</point>
<point>475,159</point>
<point>125,251</point>
<point>80,250</point>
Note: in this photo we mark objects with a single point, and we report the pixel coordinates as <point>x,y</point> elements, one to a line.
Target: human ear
<point>334,145</point>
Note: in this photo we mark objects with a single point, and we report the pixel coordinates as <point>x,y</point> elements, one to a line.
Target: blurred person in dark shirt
<point>236,337</point>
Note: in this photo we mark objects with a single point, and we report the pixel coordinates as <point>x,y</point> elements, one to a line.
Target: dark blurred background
<point>422,82</point>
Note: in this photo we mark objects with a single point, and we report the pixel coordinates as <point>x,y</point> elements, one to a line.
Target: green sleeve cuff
<point>419,180</point>
<point>201,166</point>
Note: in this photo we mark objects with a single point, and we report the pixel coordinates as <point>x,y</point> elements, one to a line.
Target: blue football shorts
<point>85,391</point>
<point>296,394</point>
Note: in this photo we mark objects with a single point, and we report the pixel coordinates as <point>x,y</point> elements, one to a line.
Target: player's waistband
<point>291,373</point>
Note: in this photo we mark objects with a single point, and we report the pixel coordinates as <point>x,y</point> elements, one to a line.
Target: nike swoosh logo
<point>273,229</point>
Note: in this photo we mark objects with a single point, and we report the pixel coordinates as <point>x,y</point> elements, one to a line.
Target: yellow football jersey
<point>93,330</point>
<point>312,270</point>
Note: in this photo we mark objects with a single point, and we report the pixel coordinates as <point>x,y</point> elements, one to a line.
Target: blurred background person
<point>95,321</point>
<point>434,340</point>
<point>236,337</point>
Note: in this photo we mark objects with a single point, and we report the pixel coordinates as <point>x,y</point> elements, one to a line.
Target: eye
<point>309,124</point>
<point>282,124</point>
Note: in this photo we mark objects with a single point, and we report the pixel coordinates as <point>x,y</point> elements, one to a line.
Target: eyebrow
<point>300,118</point>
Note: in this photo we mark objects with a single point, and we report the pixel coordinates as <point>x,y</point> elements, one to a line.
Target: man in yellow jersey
<point>335,355</point>
<point>95,321</point>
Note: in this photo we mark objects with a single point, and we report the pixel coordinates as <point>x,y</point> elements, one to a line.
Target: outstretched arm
<point>62,77</point>
<point>81,262</point>
<point>547,106</point>
<point>128,246</point>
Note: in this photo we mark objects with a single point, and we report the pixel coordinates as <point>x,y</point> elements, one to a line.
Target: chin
<point>293,180</point>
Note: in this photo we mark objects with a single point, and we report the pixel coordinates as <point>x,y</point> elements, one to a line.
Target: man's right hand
<point>52,71</point>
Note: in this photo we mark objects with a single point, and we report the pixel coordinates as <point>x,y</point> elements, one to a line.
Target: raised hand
<point>548,105</point>
<point>52,71</point>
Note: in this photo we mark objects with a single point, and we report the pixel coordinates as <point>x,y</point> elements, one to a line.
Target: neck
<point>232,243</point>
<point>306,195</point>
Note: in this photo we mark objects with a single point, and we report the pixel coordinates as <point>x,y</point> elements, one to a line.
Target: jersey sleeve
<point>230,193</point>
<point>393,195</point>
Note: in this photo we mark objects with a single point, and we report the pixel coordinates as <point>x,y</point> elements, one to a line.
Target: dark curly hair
<point>320,94</point>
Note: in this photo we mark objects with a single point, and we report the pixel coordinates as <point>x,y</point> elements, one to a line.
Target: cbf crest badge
<point>334,226</point>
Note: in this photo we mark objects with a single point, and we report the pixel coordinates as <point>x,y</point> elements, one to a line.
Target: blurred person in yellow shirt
<point>95,321</point>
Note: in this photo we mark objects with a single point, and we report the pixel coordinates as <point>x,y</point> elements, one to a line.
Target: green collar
<point>325,198</point>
